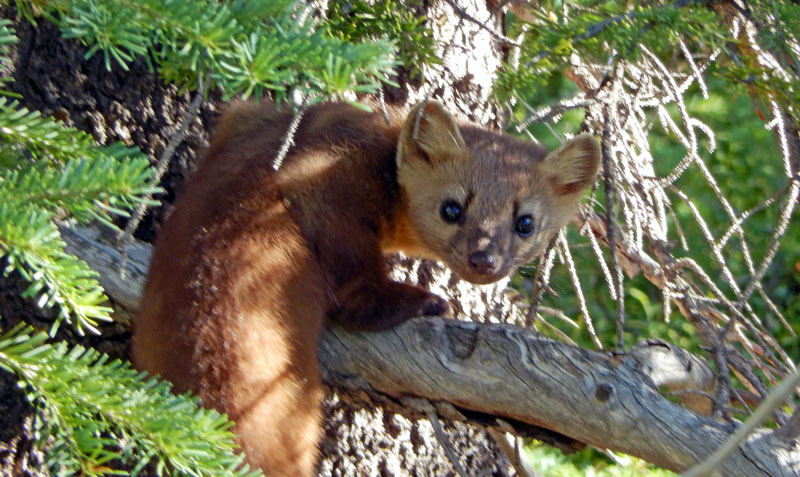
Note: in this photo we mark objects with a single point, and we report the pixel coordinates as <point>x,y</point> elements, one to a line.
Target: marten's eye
<point>524,226</point>
<point>451,211</point>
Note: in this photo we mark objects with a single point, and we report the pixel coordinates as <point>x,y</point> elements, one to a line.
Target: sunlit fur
<point>251,261</point>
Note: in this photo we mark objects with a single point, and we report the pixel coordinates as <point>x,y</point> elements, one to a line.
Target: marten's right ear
<point>573,167</point>
<point>430,132</point>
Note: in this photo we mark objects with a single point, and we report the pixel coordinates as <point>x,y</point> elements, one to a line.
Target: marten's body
<point>253,260</point>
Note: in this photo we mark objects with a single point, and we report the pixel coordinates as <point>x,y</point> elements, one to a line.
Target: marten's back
<point>327,156</point>
<point>236,192</point>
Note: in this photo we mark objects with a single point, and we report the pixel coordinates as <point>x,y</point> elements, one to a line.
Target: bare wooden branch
<point>776,398</point>
<point>678,371</point>
<point>497,36</point>
<point>126,237</point>
<point>448,449</point>
<point>607,400</point>
<point>512,448</point>
<point>791,430</point>
<point>662,270</point>
<point>288,138</point>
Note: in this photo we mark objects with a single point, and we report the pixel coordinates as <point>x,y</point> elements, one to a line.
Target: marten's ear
<point>430,133</point>
<point>573,166</point>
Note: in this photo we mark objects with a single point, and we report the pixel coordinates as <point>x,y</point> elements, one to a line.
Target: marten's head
<point>483,202</point>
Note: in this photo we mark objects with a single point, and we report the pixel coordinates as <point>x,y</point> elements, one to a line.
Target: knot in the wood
<point>462,340</point>
<point>603,391</point>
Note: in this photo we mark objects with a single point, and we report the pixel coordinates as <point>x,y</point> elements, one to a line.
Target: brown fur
<point>252,260</point>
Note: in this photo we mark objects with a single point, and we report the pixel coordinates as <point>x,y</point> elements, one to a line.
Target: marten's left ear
<point>431,135</point>
<point>573,166</point>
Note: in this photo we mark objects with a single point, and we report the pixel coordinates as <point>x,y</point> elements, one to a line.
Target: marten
<point>252,260</point>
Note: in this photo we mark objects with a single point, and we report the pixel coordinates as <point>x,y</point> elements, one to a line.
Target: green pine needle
<point>247,48</point>
<point>32,246</point>
<point>50,171</point>
<point>98,410</point>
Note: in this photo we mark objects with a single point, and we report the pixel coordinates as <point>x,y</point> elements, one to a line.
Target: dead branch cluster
<point>624,101</point>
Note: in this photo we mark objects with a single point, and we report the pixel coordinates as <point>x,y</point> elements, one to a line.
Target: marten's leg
<point>364,297</point>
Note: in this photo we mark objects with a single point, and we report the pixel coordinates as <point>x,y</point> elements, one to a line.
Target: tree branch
<point>502,371</point>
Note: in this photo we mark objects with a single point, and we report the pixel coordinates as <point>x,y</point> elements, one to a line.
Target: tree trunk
<point>372,440</point>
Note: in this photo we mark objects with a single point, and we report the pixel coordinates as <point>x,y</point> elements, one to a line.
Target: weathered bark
<point>373,439</point>
<point>491,373</point>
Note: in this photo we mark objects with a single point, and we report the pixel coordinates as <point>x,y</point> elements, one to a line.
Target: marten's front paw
<point>404,302</point>
<point>387,306</point>
<point>433,305</point>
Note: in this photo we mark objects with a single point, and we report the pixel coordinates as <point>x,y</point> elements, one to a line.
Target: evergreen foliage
<point>359,21</point>
<point>244,47</point>
<point>99,410</point>
<point>51,172</point>
<point>90,411</point>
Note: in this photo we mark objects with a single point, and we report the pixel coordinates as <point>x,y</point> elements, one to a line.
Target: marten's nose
<point>482,262</point>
